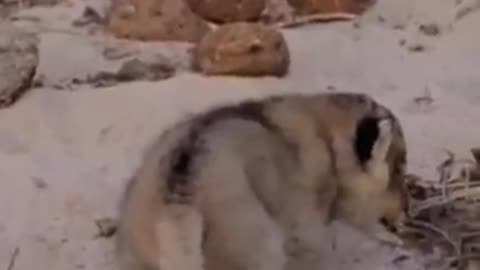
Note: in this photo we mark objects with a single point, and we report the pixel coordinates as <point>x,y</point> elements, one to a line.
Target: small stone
<point>424,100</point>
<point>398,27</point>
<point>107,227</point>
<point>331,88</point>
<point>18,63</point>
<point>381,19</point>
<point>134,70</point>
<point>242,49</point>
<point>430,29</point>
<point>38,82</point>
<point>39,182</point>
<point>226,11</point>
<point>116,53</point>
<point>58,87</point>
<point>76,81</point>
<point>89,16</point>
<point>417,48</point>
<point>138,70</point>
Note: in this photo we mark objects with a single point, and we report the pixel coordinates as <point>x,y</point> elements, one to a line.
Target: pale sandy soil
<point>65,155</point>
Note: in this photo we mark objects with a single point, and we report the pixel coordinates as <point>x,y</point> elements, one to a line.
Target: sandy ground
<point>65,155</point>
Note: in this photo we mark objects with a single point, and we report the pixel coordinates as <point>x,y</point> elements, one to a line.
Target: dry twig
<point>452,207</point>
<point>314,18</point>
<point>13,258</point>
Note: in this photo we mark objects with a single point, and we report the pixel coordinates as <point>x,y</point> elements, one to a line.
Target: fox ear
<point>372,139</point>
<point>365,137</point>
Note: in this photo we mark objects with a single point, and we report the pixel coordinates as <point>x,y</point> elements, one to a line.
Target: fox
<point>233,186</point>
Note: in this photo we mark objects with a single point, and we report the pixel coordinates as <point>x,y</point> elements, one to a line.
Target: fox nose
<point>396,225</point>
<point>388,225</point>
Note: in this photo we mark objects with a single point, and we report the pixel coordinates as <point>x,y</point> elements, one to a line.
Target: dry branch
<point>450,209</point>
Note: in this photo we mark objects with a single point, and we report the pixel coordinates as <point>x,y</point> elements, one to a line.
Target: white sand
<point>85,143</point>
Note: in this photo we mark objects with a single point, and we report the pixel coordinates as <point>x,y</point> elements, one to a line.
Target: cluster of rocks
<point>229,38</point>
<point>228,34</point>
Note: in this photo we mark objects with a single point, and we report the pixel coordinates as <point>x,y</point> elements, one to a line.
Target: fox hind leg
<point>179,236</point>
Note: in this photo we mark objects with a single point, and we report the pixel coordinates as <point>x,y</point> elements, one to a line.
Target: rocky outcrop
<point>18,63</point>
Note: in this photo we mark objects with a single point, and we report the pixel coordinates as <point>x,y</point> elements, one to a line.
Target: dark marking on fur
<point>184,156</point>
<point>181,167</point>
<point>366,135</point>
<point>248,110</point>
<point>327,138</point>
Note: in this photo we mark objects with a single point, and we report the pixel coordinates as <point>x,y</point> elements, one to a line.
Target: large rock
<point>329,6</point>
<point>18,63</point>
<point>8,7</point>
<point>225,11</point>
<point>248,49</point>
<point>28,3</point>
<point>166,20</point>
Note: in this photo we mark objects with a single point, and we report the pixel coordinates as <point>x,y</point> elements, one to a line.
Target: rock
<point>329,6</point>
<point>134,70</point>
<point>166,20</point>
<point>226,11</point>
<point>89,16</point>
<point>247,49</point>
<point>429,29</point>
<point>417,48</point>
<point>8,7</point>
<point>39,182</point>
<point>18,63</point>
<point>137,69</point>
<point>107,227</point>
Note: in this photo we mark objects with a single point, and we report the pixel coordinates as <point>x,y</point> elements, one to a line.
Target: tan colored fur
<point>251,189</point>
